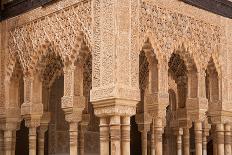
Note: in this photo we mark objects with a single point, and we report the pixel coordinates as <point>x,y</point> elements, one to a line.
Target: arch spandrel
<point>63,31</point>
<point>172,29</point>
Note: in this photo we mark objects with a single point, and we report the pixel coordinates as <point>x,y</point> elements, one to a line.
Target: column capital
<point>112,107</point>
<point>29,108</point>
<point>114,92</point>
<point>32,121</point>
<point>178,131</point>
<point>197,108</point>
<point>144,121</point>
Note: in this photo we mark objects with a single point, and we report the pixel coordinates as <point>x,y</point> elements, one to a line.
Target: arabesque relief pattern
<point>116,60</point>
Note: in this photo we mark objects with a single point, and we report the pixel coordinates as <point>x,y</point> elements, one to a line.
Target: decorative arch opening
<point>178,72</point>
<point>15,98</point>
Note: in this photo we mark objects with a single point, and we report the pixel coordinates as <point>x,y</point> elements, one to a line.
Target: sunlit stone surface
<point>124,77</point>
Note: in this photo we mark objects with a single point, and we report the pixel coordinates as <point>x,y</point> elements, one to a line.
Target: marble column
<point>198,137</point>
<point>8,138</point>
<point>32,141</point>
<point>186,141</point>
<point>41,140</point>
<point>204,143</point>
<point>82,141</point>
<point>144,142</point>
<point>115,135</point>
<point>1,142</point>
<point>73,137</point>
<point>227,139</point>
<point>220,139</point>
<point>13,142</point>
<point>179,141</point>
<point>214,139</point>
<point>158,132</point>
<point>125,135</point>
<point>104,136</point>
<point>152,140</point>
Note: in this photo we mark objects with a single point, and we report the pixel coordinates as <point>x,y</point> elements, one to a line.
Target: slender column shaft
<point>198,137</point>
<point>32,141</point>
<point>13,142</point>
<point>1,142</point>
<point>41,141</point>
<point>227,139</point>
<point>115,135</point>
<point>125,126</point>
<point>204,142</point>
<point>158,130</point>
<point>220,139</point>
<point>152,141</point>
<point>82,142</point>
<point>73,139</point>
<point>186,141</point>
<point>8,142</point>
<point>144,142</point>
<point>214,140</point>
<point>179,143</point>
<point>104,136</point>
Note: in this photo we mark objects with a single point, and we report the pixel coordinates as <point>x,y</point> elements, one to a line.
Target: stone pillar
<point>115,135</point>
<point>186,141</point>
<point>104,136</point>
<point>204,143</point>
<point>125,134</point>
<point>73,138</point>
<point>227,139</point>
<point>214,142</point>
<point>41,139</point>
<point>13,142</point>
<point>198,137</point>
<point>144,142</point>
<point>82,141</point>
<point>8,138</point>
<point>1,142</point>
<point>144,121</point>
<point>152,141</point>
<point>220,139</point>
<point>32,140</point>
<point>179,141</point>
<point>158,132</point>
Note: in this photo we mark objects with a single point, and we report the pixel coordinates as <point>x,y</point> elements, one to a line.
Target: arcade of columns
<point>156,61</point>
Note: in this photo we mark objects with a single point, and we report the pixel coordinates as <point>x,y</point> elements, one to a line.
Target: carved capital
<point>97,95</point>
<point>32,121</point>
<point>157,103</point>
<point>113,107</point>
<point>68,103</point>
<point>29,108</point>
